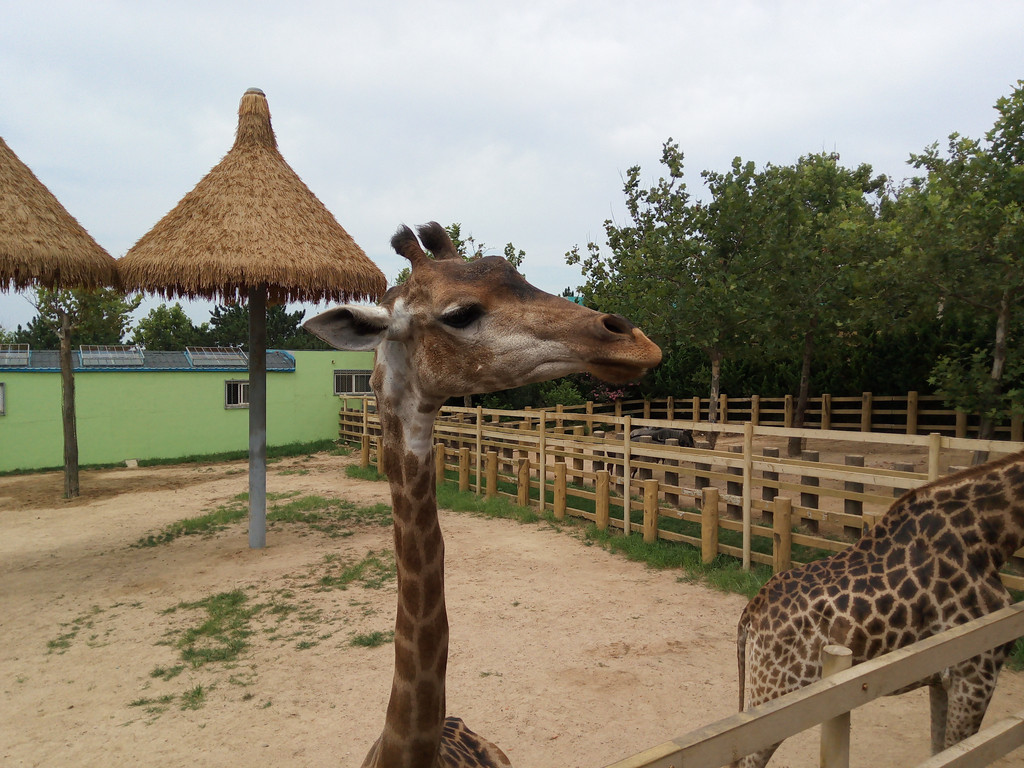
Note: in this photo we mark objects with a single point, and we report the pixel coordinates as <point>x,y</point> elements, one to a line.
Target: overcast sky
<point>517,119</point>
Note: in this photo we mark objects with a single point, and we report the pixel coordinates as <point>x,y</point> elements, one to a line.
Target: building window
<point>3,399</point>
<point>352,382</point>
<point>236,393</point>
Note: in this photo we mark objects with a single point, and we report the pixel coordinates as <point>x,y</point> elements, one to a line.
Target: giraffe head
<point>456,328</point>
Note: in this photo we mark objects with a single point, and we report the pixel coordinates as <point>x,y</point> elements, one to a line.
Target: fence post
<point>782,535</point>
<point>364,451</point>
<point>577,462</point>
<point>479,449</point>
<point>463,469</point>
<point>723,409</point>
<point>734,487</point>
<point>523,496</point>
<point>787,412</point>
<point>709,525</point>
<point>865,412</point>
<point>596,464</point>
<point>912,409</point>
<point>835,733</point>
<point>670,408</point>
<point>810,500</point>
<point>755,409</point>
<point>627,471</point>
<point>934,450</point>
<point>1017,427</point>
<point>647,408</point>
<point>644,473</point>
<point>650,511</point>
<point>439,463</point>
<point>695,406</point>
<point>601,500</point>
<point>671,478</point>
<point>961,423</point>
<point>854,506</point>
<point>767,492</point>
<point>542,460</point>
<point>826,411</point>
<point>559,502</point>
<point>748,482</point>
<point>901,467</point>
<point>492,474</point>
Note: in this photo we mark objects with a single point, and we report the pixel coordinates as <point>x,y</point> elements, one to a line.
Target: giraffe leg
<point>939,700</point>
<point>968,700</point>
<point>757,759</point>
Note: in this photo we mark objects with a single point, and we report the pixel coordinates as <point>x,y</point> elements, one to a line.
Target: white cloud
<point>516,120</point>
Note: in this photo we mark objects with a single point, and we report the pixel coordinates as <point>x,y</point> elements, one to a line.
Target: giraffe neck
<point>416,709</point>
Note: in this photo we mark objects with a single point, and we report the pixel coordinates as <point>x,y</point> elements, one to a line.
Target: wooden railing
<point>832,697</point>
<point>909,414</point>
<point>742,499</point>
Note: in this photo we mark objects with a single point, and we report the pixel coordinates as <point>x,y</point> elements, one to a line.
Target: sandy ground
<point>562,654</point>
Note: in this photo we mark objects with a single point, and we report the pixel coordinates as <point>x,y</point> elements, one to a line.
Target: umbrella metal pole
<point>258,417</point>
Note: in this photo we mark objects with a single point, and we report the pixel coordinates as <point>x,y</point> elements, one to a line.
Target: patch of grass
<point>167,673</point>
<point>193,698</point>
<point>372,639</point>
<point>223,635</point>
<point>373,571</point>
<point>202,525</point>
<point>155,706</point>
<point>358,473</point>
<point>273,452</point>
<point>62,642</point>
<point>450,497</point>
<point>333,517</point>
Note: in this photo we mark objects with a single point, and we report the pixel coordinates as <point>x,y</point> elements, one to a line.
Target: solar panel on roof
<point>217,357</point>
<point>14,354</point>
<point>106,355</point>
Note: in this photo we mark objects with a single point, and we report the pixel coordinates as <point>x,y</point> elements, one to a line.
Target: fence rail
<point>742,498</point>
<point>909,414</point>
<point>720,743</point>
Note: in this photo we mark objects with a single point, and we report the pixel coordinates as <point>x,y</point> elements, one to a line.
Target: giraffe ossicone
<point>930,564</point>
<point>454,328</point>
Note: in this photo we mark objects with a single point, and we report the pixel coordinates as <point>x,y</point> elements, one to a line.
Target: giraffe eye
<point>463,317</point>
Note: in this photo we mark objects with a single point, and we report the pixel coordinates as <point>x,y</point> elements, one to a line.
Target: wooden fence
<point>909,414</point>
<point>743,499</point>
<point>830,700</point>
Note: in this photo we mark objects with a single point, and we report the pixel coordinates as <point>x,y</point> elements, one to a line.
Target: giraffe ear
<point>350,327</point>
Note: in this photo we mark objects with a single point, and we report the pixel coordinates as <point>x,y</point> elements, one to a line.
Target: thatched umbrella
<point>252,229</point>
<point>42,244</point>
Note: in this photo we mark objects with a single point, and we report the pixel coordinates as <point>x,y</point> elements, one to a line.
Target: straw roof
<point>40,242</point>
<point>251,221</point>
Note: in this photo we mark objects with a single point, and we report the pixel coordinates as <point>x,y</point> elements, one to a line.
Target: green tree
<point>102,316</point>
<point>229,326</point>
<point>963,228</point>
<point>819,231</point>
<point>691,274</point>
<point>168,329</point>
<point>75,317</point>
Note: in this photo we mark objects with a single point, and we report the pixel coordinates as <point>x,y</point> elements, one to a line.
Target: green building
<point>135,404</point>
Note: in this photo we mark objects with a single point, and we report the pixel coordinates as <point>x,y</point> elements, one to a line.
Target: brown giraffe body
<point>931,563</point>
<point>454,328</point>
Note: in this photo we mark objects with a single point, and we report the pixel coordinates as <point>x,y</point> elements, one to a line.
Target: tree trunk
<point>716,388</point>
<point>796,444</point>
<point>987,427</point>
<point>67,388</point>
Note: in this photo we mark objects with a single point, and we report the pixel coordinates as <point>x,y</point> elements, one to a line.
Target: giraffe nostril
<point>617,325</point>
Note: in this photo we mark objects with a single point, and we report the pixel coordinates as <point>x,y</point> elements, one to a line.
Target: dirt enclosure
<point>562,654</point>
